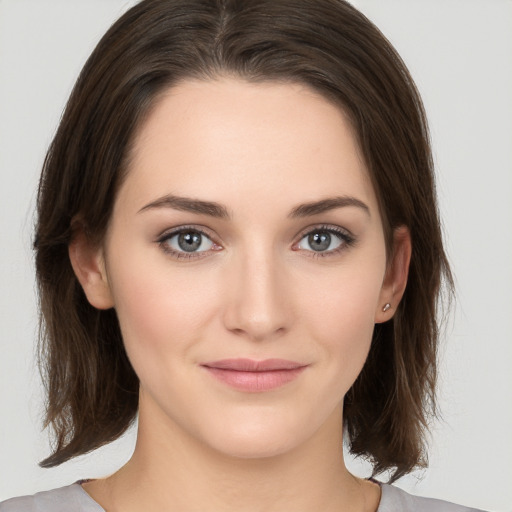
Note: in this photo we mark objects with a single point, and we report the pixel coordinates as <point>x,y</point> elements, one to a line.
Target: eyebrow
<point>219,211</point>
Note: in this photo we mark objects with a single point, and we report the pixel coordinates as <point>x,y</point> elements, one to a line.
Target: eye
<point>325,241</point>
<point>186,242</point>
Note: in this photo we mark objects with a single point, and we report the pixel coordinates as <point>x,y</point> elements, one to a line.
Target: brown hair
<point>325,44</point>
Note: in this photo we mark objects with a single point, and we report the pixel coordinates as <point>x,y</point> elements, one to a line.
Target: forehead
<point>234,141</point>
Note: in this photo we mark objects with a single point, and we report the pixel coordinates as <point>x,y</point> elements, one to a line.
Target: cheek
<point>159,310</point>
<point>346,300</point>
<point>341,314</point>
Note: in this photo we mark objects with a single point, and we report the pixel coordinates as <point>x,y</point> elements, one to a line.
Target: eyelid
<point>332,228</point>
<point>346,237</point>
<point>172,232</point>
<point>166,233</point>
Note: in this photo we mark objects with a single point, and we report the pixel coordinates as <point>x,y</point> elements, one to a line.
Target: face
<point>247,231</point>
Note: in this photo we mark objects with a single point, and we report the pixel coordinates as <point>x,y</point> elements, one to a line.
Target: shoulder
<point>64,499</point>
<point>396,500</point>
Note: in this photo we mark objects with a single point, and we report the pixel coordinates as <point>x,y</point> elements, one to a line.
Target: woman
<point>238,240</point>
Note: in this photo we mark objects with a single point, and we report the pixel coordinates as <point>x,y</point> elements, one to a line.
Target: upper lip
<point>251,365</point>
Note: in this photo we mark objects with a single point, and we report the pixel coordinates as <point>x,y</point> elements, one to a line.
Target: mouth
<point>254,376</point>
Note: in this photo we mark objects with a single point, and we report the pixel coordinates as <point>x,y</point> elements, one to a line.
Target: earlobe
<point>397,272</point>
<point>87,260</point>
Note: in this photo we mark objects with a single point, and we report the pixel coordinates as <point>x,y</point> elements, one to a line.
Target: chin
<point>262,438</point>
<point>256,447</point>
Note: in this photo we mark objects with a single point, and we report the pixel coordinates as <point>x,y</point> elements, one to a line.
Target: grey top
<point>73,498</point>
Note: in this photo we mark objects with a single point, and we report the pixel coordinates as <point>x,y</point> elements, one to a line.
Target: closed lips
<point>248,375</point>
<point>250,365</point>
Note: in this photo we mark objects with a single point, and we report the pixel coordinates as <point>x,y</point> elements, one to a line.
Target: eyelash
<point>345,237</point>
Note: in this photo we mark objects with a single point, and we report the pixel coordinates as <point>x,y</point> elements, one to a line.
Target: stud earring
<point>386,307</point>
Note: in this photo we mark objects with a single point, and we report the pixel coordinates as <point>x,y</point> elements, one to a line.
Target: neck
<point>172,470</point>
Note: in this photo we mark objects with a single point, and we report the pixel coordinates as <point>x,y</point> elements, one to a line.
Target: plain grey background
<point>460,54</point>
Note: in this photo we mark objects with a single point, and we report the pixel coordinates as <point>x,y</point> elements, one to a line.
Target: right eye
<point>186,243</point>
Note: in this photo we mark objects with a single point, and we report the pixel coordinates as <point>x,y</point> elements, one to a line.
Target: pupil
<point>189,241</point>
<point>319,241</point>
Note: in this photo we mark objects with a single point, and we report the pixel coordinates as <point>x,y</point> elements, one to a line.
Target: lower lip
<point>255,381</point>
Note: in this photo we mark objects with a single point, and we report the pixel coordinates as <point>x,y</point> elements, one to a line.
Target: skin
<point>256,288</point>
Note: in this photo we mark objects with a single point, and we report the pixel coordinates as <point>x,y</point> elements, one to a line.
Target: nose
<point>257,303</point>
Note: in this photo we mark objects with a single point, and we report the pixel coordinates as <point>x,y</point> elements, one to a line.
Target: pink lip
<point>254,376</point>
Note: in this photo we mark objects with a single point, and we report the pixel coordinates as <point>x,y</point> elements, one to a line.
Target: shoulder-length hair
<point>92,390</point>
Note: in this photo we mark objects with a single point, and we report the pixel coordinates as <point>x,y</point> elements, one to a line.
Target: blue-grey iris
<point>189,241</point>
<point>319,241</point>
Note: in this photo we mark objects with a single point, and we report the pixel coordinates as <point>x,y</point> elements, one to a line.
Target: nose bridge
<point>256,304</point>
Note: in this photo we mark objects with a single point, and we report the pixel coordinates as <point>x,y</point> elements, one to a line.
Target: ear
<point>395,280</point>
<point>87,260</point>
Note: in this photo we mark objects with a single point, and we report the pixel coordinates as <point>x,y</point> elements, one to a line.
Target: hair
<point>92,390</point>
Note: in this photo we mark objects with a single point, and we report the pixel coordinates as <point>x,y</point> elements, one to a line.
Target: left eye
<point>189,241</point>
<point>322,240</point>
